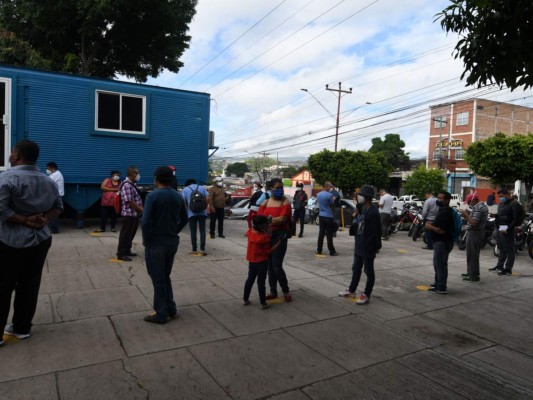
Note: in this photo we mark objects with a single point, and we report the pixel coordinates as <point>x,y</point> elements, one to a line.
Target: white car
<point>407,199</point>
<point>239,210</point>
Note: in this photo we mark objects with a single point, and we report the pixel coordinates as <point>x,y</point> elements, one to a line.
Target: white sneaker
<point>363,299</point>
<point>346,293</point>
<point>8,330</point>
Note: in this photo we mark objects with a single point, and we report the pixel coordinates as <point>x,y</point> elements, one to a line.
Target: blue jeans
<point>357,267</point>
<point>193,222</point>
<point>159,261</point>
<point>441,251</point>
<point>275,264</point>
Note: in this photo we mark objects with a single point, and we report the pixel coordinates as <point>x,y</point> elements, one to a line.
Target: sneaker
<point>124,258</point>
<point>271,296</point>
<point>203,252</point>
<point>246,302</point>
<point>130,254</point>
<point>437,291</point>
<point>495,269</point>
<point>212,235</point>
<point>384,238</point>
<point>265,306</point>
<point>222,236</point>
<point>505,272</point>
<point>469,278</point>
<point>154,319</point>
<point>301,235</point>
<point>334,254</point>
<point>463,275</point>
<point>318,253</point>
<point>287,296</point>
<point>427,248</point>
<point>363,299</point>
<point>346,293</point>
<point>8,330</point>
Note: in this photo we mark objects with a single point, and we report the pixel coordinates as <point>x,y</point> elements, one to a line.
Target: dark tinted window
<point>132,114</point>
<point>108,111</point>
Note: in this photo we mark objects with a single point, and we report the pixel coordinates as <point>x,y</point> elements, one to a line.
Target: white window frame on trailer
<point>121,96</point>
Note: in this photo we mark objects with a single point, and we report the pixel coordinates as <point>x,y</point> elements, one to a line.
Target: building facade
<point>454,126</point>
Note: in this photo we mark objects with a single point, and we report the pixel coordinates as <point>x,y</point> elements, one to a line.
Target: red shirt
<point>258,246</point>
<point>284,210</point>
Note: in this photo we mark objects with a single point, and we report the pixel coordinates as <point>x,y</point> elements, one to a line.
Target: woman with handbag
<point>110,186</point>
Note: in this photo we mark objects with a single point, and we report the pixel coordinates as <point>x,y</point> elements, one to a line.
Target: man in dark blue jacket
<point>367,244</point>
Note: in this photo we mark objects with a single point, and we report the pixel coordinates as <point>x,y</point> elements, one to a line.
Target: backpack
<point>457,225</point>
<point>197,201</point>
<point>117,201</point>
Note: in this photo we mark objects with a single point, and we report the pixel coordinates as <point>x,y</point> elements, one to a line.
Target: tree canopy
<point>391,151</point>
<point>14,51</point>
<point>237,169</point>
<point>347,169</point>
<point>496,40</point>
<point>135,38</point>
<point>503,159</point>
<point>261,167</point>
<point>288,172</point>
<point>422,180</point>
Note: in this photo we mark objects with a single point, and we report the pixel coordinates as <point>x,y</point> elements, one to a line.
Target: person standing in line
<point>491,199</point>
<point>110,187</point>
<point>429,213</point>
<point>196,219</point>
<point>57,177</point>
<point>299,203</point>
<point>441,234</point>
<point>257,252</point>
<point>507,220</point>
<point>475,227</point>
<point>164,217</point>
<point>267,194</point>
<point>217,200</point>
<point>367,244</point>
<point>278,210</point>
<point>252,205</point>
<point>132,208</point>
<point>326,223</point>
<point>28,201</point>
<point>385,212</point>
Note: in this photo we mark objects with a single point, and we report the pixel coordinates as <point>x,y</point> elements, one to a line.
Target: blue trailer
<point>90,126</point>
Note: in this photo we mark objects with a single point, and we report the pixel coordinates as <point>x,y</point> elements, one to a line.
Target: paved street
<point>90,341</point>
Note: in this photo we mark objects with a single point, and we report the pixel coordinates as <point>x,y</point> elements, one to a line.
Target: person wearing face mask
<point>132,208</point>
<point>476,220</point>
<point>57,177</point>
<point>217,199</point>
<point>110,186</point>
<point>507,219</point>
<point>252,205</point>
<point>326,211</point>
<point>299,202</point>
<point>367,244</point>
<point>278,210</point>
<point>441,234</point>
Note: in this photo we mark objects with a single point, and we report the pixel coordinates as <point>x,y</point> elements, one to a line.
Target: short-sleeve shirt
<point>258,246</point>
<point>129,192</point>
<point>284,210</point>
<point>325,200</point>
<point>479,213</point>
<point>445,221</point>
<point>386,200</point>
<point>187,193</point>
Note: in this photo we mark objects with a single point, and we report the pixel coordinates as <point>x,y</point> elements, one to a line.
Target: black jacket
<point>509,214</point>
<point>368,237</point>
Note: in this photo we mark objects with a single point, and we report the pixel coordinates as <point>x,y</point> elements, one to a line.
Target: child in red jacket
<point>257,255</point>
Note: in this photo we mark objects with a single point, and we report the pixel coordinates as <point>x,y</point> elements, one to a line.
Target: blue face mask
<point>503,199</point>
<point>277,193</point>
<point>438,203</point>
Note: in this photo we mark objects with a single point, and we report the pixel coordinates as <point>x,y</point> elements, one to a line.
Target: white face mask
<point>360,199</point>
<point>137,177</point>
<point>116,177</point>
<point>48,172</point>
<point>219,184</point>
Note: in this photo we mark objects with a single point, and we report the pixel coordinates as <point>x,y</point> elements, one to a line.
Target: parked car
<point>408,198</point>
<point>239,210</point>
<point>234,201</point>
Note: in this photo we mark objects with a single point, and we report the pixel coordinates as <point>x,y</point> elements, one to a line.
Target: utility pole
<point>340,92</point>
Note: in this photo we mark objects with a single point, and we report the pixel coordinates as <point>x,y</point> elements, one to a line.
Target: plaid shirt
<point>128,192</point>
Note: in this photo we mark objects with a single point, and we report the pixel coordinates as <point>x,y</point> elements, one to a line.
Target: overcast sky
<point>254,56</point>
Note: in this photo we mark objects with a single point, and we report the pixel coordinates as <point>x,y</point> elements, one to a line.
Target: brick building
<point>454,126</point>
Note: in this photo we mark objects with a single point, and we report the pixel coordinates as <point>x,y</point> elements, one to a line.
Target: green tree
<point>503,159</point>
<point>348,169</point>
<point>261,167</point>
<point>14,51</point>
<point>422,180</point>
<point>301,168</point>
<point>288,172</point>
<point>496,40</point>
<point>237,169</point>
<point>391,150</point>
<point>135,38</point>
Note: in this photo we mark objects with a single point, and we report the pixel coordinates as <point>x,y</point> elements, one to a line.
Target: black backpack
<point>197,201</point>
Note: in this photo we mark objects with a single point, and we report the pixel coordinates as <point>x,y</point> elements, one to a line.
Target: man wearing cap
<point>475,227</point>
<point>164,217</point>
<point>367,244</point>
<point>217,199</point>
<point>507,219</point>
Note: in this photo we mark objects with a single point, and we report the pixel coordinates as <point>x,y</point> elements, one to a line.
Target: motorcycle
<point>417,227</point>
<point>406,218</point>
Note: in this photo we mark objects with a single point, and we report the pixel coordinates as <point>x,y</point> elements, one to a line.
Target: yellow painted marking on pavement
<point>195,254</point>
<point>423,287</point>
<point>275,301</point>
<point>114,260</point>
<point>320,256</point>
<point>402,251</point>
<point>95,234</point>
<point>515,274</point>
<point>9,338</point>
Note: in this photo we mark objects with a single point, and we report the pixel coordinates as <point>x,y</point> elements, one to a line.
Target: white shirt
<point>387,201</point>
<point>58,179</point>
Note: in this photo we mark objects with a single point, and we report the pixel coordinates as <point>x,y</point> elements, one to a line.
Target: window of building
<point>437,154</point>
<point>459,154</point>
<point>120,112</point>
<point>462,118</point>
<point>440,121</point>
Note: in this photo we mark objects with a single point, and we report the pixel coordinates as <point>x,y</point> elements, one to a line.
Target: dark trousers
<point>107,212</point>
<point>441,251</point>
<point>505,242</point>
<point>358,263</point>
<point>54,223</point>
<point>259,270</point>
<point>20,271</point>
<point>276,273</point>
<point>474,238</point>
<point>299,214</point>
<point>218,215</point>
<point>197,220</point>
<point>159,261</point>
<point>385,223</point>
<point>427,235</point>
<point>127,233</point>
<point>326,227</point>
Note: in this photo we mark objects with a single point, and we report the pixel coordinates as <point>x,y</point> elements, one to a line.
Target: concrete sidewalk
<point>90,341</point>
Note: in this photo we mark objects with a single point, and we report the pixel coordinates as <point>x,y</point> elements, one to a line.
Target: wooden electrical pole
<point>340,92</point>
